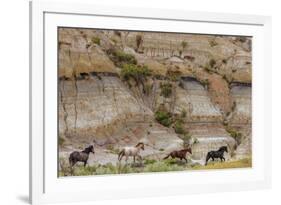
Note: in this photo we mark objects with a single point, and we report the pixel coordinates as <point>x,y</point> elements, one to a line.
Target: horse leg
<point>185,160</point>
<point>70,164</point>
<point>122,155</point>
<point>134,159</point>
<point>126,158</point>
<point>85,163</point>
<point>223,158</point>
<point>73,163</point>
<point>213,159</point>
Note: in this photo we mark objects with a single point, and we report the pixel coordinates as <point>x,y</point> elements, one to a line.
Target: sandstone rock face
<point>203,118</point>
<point>103,110</point>
<point>77,55</point>
<point>210,136</point>
<point>242,117</point>
<point>241,94</point>
<point>96,107</point>
<point>210,79</point>
<point>194,98</point>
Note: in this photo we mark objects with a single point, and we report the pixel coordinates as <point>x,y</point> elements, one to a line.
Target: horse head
<point>140,145</point>
<point>188,149</point>
<point>223,148</point>
<point>89,149</point>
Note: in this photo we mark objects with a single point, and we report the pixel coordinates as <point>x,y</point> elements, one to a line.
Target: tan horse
<point>131,151</point>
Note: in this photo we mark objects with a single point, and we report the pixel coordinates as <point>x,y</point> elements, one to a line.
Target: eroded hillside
<point>166,90</point>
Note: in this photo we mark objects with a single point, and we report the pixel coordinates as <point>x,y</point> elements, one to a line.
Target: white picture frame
<point>46,187</point>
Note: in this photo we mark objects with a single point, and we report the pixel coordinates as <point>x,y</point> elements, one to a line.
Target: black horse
<point>83,156</point>
<point>216,154</point>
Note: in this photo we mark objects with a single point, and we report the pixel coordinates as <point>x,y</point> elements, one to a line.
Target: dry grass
<point>151,166</point>
<point>242,163</point>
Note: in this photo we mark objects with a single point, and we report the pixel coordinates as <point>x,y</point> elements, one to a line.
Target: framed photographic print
<point>129,102</point>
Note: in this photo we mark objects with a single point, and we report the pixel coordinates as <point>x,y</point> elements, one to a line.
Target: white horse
<point>131,151</point>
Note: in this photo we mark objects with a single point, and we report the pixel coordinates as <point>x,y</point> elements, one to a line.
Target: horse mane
<point>140,143</point>
<point>188,149</point>
<point>222,148</point>
<point>87,149</point>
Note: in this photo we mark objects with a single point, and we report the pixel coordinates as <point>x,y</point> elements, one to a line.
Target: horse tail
<point>121,154</point>
<point>166,156</point>
<point>70,159</point>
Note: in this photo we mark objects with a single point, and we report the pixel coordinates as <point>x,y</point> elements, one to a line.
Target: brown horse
<point>181,154</point>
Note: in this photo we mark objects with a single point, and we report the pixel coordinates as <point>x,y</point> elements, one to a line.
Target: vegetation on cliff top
<point>163,117</point>
<point>120,58</point>
<point>134,71</point>
<point>96,40</point>
<point>235,134</point>
<point>167,119</point>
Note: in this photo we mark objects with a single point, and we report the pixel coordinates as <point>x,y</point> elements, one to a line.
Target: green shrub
<point>166,89</point>
<point>187,137</point>
<point>162,167</point>
<point>164,118</point>
<point>134,71</point>
<point>124,57</point>
<point>233,107</point>
<point>224,77</point>
<point>173,75</point>
<point>207,69</point>
<point>205,82</point>
<point>139,40</point>
<point>213,43</point>
<point>109,168</point>
<point>183,113</point>
<point>178,127</point>
<point>184,44</point>
<point>80,170</point>
<point>61,141</point>
<point>96,40</point>
<point>147,88</point>
<point>235,134</point>
<point>149,161</point>
<point>212,62</point>
<point>118,33</point>
<point>180,52</point>
<point>120,58</point>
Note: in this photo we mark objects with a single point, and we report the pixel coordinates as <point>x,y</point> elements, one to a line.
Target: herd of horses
<point>134,151</point>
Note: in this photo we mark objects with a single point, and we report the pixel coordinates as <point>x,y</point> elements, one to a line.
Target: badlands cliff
<point>192,89</point>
